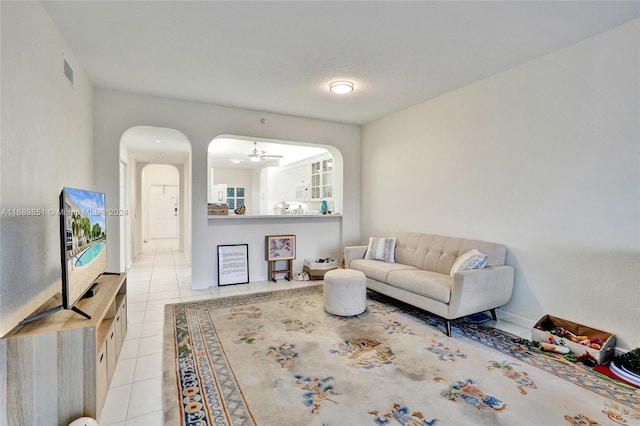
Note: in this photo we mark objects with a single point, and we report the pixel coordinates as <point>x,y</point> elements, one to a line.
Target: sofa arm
<point>479,290</point>
<point>353,252</point>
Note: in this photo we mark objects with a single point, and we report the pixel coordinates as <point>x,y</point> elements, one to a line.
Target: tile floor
<point>161,275</point>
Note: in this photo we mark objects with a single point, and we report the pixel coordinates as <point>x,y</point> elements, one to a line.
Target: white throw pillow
<point>381,249</point>
<point>473,259</point>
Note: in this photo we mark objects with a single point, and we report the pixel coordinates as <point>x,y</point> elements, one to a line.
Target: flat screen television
<point>83,246</point>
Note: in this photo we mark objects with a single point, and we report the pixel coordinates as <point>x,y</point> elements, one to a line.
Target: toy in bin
<point>554,348</point>
<point>586,343</point>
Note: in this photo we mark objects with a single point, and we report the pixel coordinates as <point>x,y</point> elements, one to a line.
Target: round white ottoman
<point>344,292</point>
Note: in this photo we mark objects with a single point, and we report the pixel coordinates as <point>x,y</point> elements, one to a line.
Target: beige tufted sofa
<point>420,275</point>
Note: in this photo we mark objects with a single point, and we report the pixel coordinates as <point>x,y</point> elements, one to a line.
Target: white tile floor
<point>157,277</point>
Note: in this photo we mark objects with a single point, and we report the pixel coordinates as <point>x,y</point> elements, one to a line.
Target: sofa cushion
<point>472,259</point>
<point>381,249</point>
<point>377,269</point>
<point>424,283</point>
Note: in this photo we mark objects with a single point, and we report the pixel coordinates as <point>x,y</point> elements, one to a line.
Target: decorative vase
<point>324,207</point>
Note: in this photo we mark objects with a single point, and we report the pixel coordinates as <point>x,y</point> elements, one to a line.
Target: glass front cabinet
<point>322,179</point>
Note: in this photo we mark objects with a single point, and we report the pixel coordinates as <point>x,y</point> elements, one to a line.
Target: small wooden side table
<point>273,269</point>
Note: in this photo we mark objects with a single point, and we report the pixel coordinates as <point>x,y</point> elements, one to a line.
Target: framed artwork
<point>280,247</point>
<point>233,264</point>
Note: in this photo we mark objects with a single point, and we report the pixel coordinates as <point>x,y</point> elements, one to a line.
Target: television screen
<point>83,242</point>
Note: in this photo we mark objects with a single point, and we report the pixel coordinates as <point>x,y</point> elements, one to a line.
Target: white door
<point>163,211</point>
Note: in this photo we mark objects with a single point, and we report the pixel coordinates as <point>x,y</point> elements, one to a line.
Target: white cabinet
<point>287,184</point>
<point>322,179</point>
<point>303,174</point>
<point>305,182</point>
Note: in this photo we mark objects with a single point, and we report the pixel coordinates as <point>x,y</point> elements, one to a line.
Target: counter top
<point>273,216</point>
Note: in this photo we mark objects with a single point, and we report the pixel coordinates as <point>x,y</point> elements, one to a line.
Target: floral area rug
<point>277,358</point>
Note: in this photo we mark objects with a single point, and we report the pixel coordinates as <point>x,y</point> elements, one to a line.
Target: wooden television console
<point>58,368</point>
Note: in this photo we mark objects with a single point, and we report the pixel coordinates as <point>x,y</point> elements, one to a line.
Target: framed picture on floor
<point>280,247</point>
<point>233,264</point>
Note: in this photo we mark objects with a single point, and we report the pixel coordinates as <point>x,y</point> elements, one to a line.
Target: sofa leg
<point>493,314</point>
<point>447,325</point>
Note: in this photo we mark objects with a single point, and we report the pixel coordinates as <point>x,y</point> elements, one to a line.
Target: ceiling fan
<point>258,154</point>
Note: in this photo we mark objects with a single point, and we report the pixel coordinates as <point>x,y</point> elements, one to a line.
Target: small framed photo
<point>280,247</point>
<point>233,264</point>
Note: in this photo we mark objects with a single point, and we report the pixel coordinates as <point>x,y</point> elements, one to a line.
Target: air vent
<point>68,72</point>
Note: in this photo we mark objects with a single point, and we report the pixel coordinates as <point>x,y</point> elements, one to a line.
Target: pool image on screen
<point>83,247</point>
<point>85,241</point>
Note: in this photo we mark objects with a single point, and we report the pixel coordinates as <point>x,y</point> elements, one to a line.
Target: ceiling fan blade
<point>258,153</point>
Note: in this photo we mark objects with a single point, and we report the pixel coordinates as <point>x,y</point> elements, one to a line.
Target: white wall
<point>316,237</point>
<point>201,123</point>
<point>130,207</point>
<point>185,189</point>
<point>134,246</point>
<point>46,144</point>
<point>543,158</point>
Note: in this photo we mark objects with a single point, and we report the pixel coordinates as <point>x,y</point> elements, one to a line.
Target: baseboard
<point>620,351</point>
<point>515,319</point>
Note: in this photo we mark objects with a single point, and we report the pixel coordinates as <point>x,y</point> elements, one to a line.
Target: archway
<point>140,147</point>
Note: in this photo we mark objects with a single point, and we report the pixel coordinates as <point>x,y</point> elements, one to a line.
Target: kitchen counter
<point>273,216</point>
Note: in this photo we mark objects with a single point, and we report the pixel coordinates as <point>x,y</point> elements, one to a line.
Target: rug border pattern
<point>488,337</point>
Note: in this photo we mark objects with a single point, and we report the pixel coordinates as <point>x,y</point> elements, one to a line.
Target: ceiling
<point>279,57</point>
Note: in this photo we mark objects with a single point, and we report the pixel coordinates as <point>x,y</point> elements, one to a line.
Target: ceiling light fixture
<point>341,87</point>
<point>254,159</point>
<point>158,141</point>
